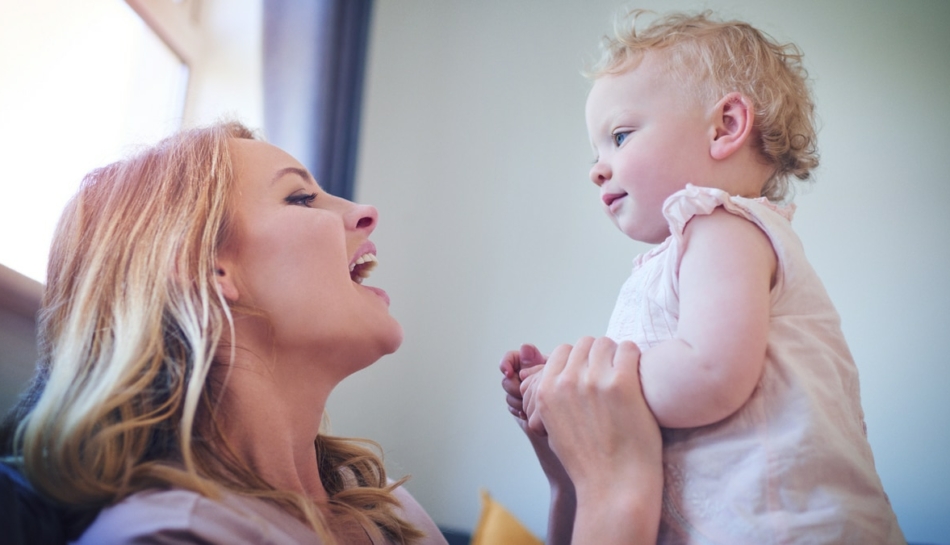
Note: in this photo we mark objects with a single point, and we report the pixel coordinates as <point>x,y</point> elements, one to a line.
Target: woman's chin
<point>394,340</point>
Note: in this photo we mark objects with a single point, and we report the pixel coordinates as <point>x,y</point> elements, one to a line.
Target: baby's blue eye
<point>619,138</point>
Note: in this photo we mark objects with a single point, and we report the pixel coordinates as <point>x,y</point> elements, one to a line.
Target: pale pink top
<point>175,516</point>
<point>182,516</point>
<point>793,464</point>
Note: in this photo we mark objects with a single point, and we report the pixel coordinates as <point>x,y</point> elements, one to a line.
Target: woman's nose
<point>599,173</point>
<point>361,217</point>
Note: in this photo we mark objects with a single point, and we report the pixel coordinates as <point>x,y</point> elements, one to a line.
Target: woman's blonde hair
<point>132,318</point>
<point>710,59</point>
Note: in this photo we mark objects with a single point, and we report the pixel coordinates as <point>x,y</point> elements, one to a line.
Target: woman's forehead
<point>255,161</point>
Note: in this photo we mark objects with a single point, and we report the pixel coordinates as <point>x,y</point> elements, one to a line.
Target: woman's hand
<point>606,439</point>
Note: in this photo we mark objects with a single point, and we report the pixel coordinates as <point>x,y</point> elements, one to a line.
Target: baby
<point>697,126</point>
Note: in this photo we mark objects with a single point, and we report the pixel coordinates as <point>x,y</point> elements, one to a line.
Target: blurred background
<point>471,142</point>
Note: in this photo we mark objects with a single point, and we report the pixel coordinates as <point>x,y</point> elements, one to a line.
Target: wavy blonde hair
<point>131,320</point>
<point>712,58</point>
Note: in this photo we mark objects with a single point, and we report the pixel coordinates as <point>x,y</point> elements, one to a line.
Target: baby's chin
<point>640,234</point>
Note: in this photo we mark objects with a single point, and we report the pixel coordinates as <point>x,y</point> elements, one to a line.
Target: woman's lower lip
<point>382,294</point>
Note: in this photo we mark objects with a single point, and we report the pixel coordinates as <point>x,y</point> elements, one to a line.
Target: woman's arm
<point>607,441</point>
<point>563,504</point>
<point>712,365</point>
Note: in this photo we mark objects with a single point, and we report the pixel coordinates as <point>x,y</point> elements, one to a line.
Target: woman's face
<point>299,255</point>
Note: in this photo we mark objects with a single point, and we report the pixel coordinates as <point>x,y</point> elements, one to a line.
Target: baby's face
<point>650,139</point>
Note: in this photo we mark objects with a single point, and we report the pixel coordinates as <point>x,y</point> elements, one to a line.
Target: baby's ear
<point>733,119</point>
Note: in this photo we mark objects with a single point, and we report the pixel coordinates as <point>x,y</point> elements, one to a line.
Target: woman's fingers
<point>628,352</point>
<point>515,406</point>
<point>511,383</point>
<point>580,355</point>
<point>602,353</point>
<point>510,364</point>
<point>557,361</point>
<point>593,405</point>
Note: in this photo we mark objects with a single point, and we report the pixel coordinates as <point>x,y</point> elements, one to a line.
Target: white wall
<point>227,81</point>
<point>474,149</point>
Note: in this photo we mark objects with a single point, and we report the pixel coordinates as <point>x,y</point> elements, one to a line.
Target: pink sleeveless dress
<point>793,464</point>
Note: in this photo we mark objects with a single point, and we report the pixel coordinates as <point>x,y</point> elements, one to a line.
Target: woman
<point>203,299</point>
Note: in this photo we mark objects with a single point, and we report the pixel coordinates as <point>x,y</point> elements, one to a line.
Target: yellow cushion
<point>497,526</point>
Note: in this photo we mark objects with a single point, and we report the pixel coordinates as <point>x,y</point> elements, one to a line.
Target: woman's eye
<point>301,199</point>
<point>619,137</point>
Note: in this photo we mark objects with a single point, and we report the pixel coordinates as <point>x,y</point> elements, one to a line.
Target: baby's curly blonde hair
<point>712,58</point>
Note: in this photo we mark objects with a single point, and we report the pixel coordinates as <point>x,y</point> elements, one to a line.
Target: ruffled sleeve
<point>682,206</point>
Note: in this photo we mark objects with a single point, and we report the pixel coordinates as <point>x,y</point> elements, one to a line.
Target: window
<point>82,84</point>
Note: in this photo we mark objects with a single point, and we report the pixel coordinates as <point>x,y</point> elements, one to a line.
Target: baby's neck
<point>743,175</point>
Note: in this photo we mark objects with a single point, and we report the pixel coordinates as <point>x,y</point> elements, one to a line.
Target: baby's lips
<point>609,198</point>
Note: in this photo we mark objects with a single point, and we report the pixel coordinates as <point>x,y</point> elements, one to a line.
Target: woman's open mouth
<point>361,267</point>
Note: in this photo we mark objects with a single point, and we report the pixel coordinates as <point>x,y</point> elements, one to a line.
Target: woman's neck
<point>270,417</point>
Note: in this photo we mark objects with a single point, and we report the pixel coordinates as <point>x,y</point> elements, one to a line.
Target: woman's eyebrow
<point>293,170</point>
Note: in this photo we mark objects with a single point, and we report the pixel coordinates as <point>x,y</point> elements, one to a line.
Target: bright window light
<point>81,85</point>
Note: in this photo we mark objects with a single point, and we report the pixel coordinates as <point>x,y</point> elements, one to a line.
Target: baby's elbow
<point>712,402</point>
<point>730,399</point>
<point>691,414</point>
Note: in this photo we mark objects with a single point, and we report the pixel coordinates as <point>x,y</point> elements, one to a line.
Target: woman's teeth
<point>360,268</point>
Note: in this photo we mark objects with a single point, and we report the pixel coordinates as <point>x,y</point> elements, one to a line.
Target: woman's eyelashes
<point>301,199</point>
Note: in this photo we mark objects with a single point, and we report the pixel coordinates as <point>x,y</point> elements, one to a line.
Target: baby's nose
<point>599,173</point>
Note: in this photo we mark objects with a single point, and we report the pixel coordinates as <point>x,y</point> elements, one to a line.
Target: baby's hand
<point>513,365</point>
<point>530,380</point>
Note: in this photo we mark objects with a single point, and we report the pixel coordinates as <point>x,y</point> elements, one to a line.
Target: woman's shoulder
<point>413,512</point>
<point>183,516</point>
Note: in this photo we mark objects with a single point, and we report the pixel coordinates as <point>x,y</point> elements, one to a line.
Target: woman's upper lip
<point>366,248</point>
<point>609,198</point>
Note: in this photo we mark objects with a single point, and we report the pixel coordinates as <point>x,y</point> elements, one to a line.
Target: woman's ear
<point>226,280</point>
<point>733,119</point>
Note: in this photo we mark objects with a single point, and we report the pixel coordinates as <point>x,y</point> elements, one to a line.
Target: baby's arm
<point>712,365</point>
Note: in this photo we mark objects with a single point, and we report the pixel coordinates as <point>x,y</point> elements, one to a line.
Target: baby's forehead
<point>671,73</point>
<point>648,70</point>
